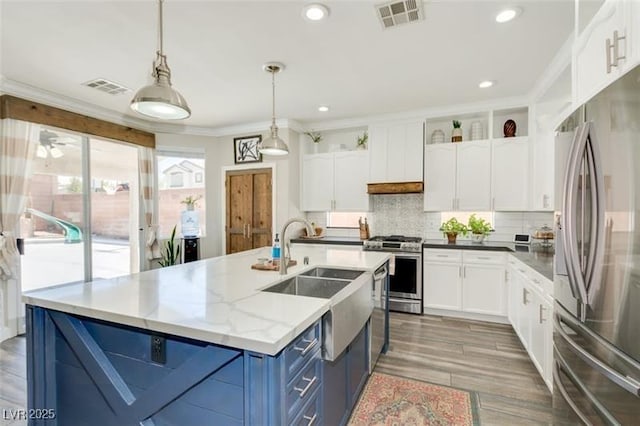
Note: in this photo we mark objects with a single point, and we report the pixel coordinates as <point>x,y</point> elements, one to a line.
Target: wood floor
<point>13,380</point>
<point>477,356</point>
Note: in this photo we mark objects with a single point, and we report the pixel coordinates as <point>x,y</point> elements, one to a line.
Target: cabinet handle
<point>244,230</point>
<point>304,390</point>
<point>540,319</point>
<point>464,272</point>
<point>535,280</point>
<point>613,50</point>
<point>484,257</point>
<point>248,230</point>
<point>459,271</point>
<point>304,351</point>
<point>545,201</point>
<point>493,203</point>
<point>506,275</point>
<point>453,204</point>
<point>525,293</point>
<point>311,420</point>
<point>441,255</point>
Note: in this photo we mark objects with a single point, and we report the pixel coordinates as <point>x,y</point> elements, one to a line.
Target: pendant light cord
<point>273,97</point>
<point>160,32</point>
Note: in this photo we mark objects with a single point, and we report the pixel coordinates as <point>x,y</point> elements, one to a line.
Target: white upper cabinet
<point>396,152</point>
<point>335,181</point>
<point>473,172</point>
<point>509,176</point>
<point>457,176</point>
<point>439,177</point>
<point>603,51</point>
<point>317,182</point>
<point>351,171</point>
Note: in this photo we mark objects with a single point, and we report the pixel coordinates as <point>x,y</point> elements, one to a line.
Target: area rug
<point>396,401</point>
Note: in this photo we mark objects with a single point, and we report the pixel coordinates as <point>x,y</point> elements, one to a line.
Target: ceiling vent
<point>107,86</point>
<point>399,12</point>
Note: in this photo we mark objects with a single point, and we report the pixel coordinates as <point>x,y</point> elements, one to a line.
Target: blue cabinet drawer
<point>304,385</point>
<point>311,413</point>
<point>301,350</point>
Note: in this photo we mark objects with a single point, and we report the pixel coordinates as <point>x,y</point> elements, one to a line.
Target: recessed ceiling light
<point>507,15</point>
<point>315,12</point>
<point>323,108</point>
<point>485,84</point>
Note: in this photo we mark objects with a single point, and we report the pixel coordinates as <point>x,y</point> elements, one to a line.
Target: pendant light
<point>159,100</point>
<point>273,145</point>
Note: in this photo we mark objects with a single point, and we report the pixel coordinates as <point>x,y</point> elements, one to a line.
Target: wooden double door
<point>249,209</point>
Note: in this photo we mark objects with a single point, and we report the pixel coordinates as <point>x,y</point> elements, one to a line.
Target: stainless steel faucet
<point>286,250</point>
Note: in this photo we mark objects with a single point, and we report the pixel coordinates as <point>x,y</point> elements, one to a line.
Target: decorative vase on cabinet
<point>456,133</point>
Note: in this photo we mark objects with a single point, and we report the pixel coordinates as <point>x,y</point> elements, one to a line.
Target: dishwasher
<point>380,315</point>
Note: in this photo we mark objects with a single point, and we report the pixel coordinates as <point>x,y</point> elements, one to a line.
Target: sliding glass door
<point>75,178</point>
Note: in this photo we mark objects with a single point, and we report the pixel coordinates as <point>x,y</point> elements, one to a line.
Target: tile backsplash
<point>403,214</point>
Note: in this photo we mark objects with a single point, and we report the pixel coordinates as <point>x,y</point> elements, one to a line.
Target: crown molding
<point>421,114</point>
<point>35,94</point>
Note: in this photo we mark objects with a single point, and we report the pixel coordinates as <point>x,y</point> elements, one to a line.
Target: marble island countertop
<point>216,300</point>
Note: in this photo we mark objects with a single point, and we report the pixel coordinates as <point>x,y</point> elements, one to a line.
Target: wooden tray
<point>271,266</point>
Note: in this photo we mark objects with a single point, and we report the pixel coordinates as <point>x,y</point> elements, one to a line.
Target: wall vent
<point>401,12</point>
<point>107,86</point>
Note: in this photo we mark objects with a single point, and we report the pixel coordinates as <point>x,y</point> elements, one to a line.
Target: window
<point>180,175</point>
<point>176,179</point>
<point>344,219</point>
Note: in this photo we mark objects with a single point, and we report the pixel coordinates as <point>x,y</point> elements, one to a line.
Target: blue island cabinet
<point>344,379</point>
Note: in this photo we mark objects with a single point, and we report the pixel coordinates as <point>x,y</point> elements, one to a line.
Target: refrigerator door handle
<point>596,242</point>
<point>627,383</point>
<point>569,201</point>
<point>560,365</point>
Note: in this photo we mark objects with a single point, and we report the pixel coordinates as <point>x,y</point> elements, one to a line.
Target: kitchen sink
<point>348,313</point>
<point>311,286</point>
<point>343,274</point>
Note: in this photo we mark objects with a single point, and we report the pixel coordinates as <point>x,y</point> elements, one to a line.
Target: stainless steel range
<point>405,284</point>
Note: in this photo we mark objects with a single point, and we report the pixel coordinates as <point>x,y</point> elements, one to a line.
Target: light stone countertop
<point>216,300</point>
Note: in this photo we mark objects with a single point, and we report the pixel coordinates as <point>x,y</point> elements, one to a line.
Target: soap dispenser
<point>275,250</point>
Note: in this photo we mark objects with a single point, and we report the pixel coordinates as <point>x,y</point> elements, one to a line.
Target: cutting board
<point>270,266</point>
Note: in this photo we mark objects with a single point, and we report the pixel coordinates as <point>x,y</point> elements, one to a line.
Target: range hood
<point>395,188</point>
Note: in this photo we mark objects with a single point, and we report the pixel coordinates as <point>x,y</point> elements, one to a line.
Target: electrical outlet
<point>158,349</point>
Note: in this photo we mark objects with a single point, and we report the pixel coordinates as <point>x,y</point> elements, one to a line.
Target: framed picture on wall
<point>246,149</point>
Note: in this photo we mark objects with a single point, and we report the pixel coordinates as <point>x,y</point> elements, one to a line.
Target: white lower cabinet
<point>466,281</point>
<point>442,286</point>
<point>483,289</point>
<point>530,310</point>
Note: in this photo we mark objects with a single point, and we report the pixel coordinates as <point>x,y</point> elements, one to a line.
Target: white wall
<point>218,152</point>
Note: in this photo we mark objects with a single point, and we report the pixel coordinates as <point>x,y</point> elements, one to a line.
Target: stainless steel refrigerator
<point>597,261</point>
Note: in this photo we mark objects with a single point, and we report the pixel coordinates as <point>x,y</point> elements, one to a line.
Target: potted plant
<point>191,201</point>
<point>362,140</point>
<point>316,137</point>
<point>456,133</point>
<point>452,228</point>
<point>479,228</point>
<point>171,251</point>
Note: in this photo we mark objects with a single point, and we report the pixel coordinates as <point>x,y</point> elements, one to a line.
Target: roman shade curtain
<point>18,143</point>
<point>146,170</point>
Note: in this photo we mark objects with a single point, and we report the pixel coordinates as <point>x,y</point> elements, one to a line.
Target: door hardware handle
<point>311,420</point>
<point>304,390</point>
<point>304,351</point>
<point>540,311</point>
<point>525,293</point>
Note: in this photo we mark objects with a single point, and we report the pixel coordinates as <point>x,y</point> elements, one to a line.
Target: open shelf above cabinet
<point>332,140</point>
<point>478,126</point>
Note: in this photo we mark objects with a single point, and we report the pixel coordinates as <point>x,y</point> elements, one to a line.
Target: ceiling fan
<point>49,143</point>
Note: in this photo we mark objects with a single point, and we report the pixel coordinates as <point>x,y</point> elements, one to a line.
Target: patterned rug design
<point>395,401</point>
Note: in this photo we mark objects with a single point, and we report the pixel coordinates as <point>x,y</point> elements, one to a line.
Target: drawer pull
<point>484,257</point>
<point>525,294</point>
<point>311,420</point>
<point>442,255</point>
<point>304,351</point>
<point>306,388</point>
<point>540,311</point>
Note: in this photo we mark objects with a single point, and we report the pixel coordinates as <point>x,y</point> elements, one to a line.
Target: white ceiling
<point>216,49</point>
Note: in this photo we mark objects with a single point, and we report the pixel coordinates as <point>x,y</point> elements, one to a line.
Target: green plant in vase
<point>479,228</point>
<point>452,228</point>
<point>456,133</point>
<point>362,140</point>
